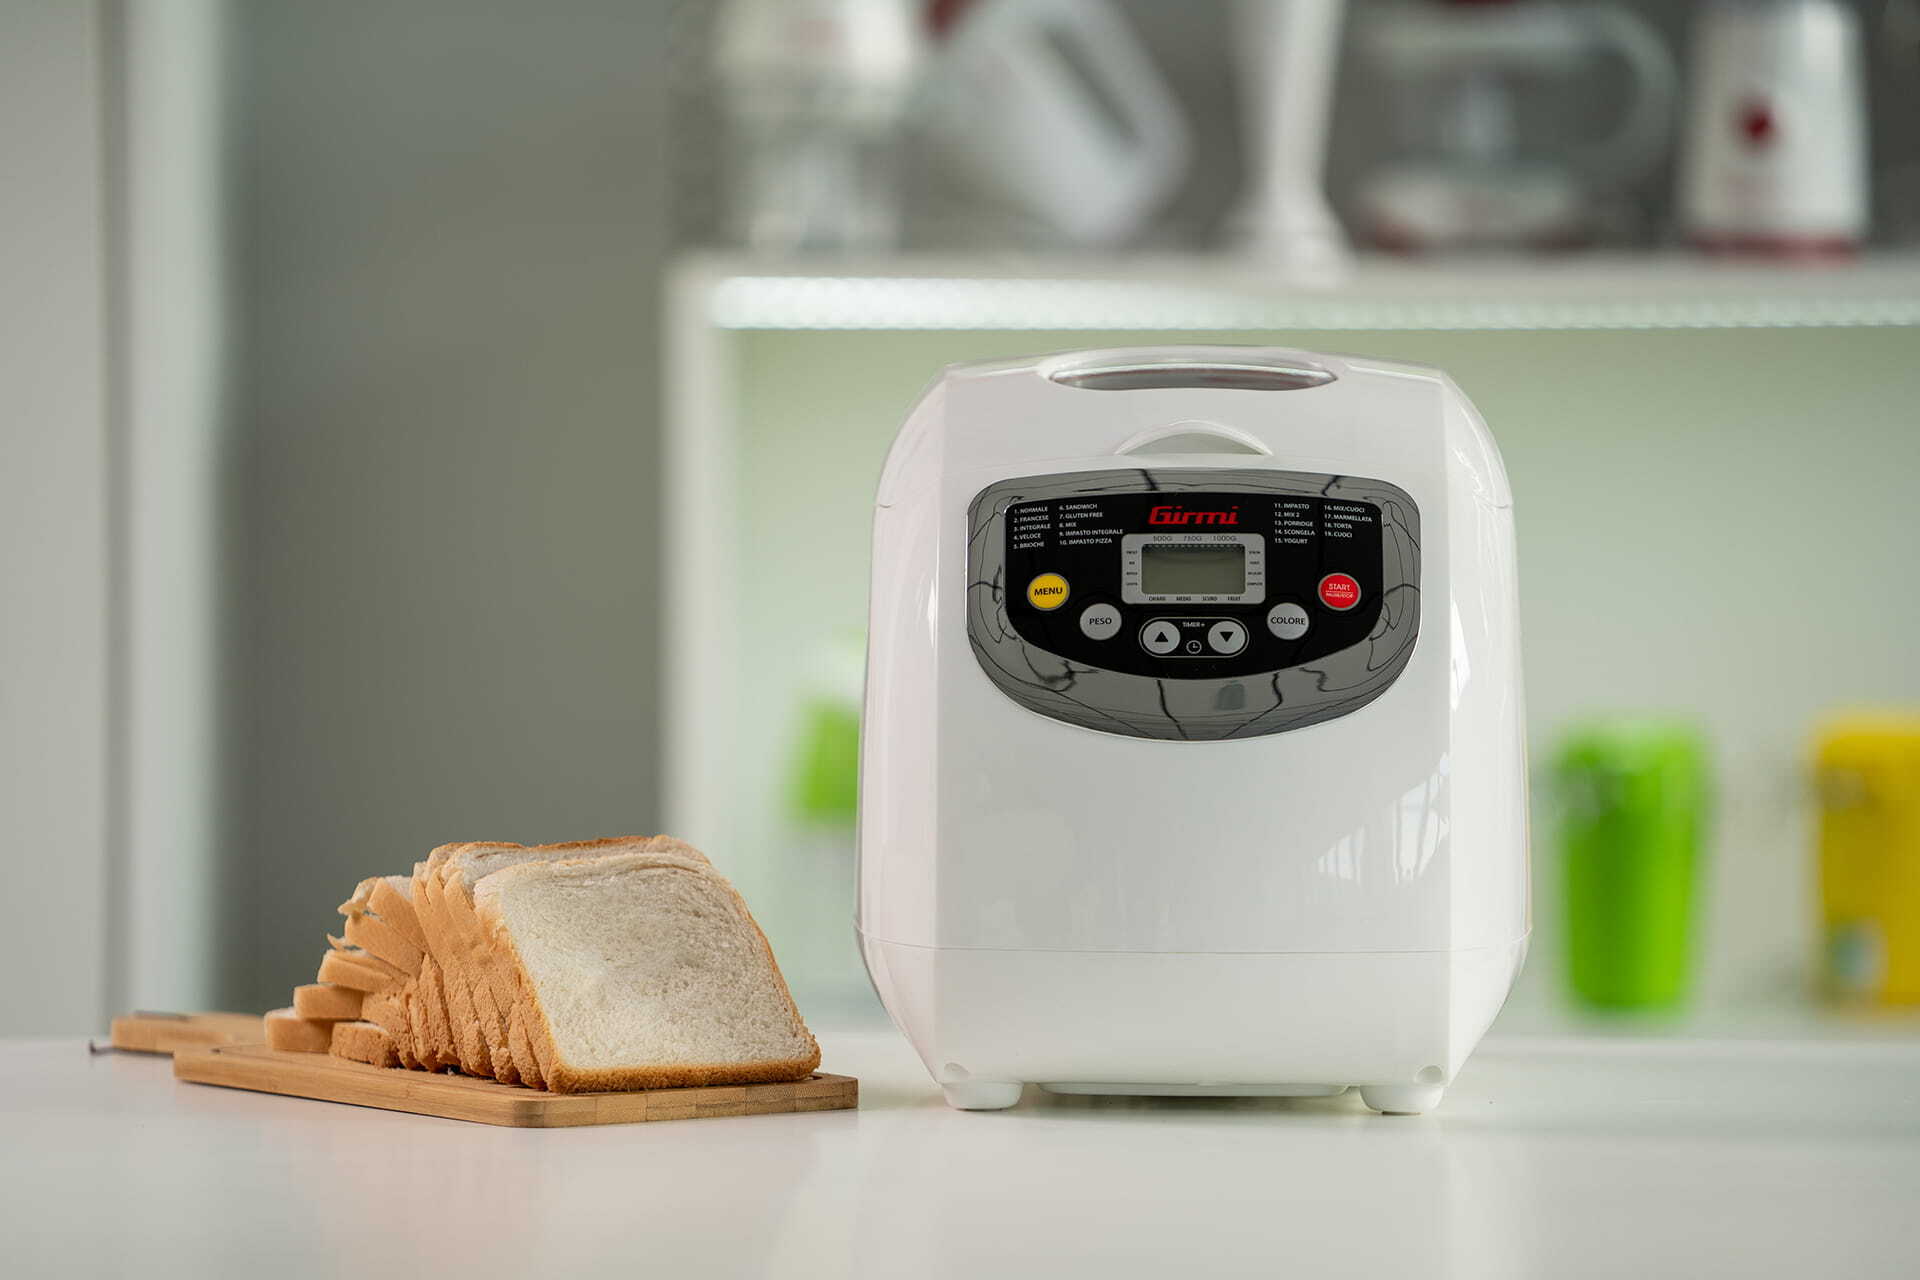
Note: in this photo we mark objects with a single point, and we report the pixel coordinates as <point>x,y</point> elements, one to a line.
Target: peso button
<point>1047,591</point>
<point>1100,622</point>
<point>1288,621</point>
<point>1339,591</point>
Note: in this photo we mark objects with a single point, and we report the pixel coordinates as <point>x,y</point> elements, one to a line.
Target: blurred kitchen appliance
<point>1054,106</point>
<point>1159,794</point>
<point>1288,52</point>
<point>1462,177</point>
<point>814,93</point>
<point>1774,159</point>
<point>1868,771</point>
<point>1632,800</point>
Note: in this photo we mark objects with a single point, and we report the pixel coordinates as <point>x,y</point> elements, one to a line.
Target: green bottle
<point>1632,797</point>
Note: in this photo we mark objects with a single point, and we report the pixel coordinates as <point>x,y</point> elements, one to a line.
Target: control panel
<point>1141,584</point>
<point>1193,585</point>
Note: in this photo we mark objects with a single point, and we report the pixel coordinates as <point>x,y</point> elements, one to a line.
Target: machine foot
<point>1402,1099</point>
<point>982,1095</point>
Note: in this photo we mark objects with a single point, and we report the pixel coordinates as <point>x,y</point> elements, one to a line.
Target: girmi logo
<point>1180,515</point>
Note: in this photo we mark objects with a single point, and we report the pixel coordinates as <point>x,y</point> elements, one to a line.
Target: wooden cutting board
<point>329,1079</point>
<point>145,1031</point>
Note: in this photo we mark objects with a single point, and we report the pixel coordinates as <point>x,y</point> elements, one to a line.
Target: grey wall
<point>442,576</point>
<point>54,588</point>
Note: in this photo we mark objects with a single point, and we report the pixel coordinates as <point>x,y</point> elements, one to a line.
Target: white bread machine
<point>1192,759</point>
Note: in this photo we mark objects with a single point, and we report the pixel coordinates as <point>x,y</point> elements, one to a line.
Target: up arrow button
<point>1159,637</point>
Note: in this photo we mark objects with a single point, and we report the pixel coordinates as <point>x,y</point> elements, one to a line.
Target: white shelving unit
<point>1535,333</point>
<point>1011,295</point>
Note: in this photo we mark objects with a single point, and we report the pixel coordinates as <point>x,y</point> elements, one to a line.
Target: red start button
<point>1339,591</point>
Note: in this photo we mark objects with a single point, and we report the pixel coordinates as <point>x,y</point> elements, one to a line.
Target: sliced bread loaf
<point>642,971</point>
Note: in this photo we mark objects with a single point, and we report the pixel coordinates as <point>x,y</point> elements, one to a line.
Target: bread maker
<point>1192,756</point>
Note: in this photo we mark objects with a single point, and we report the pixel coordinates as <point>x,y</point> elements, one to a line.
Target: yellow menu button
<point>1048,591</point>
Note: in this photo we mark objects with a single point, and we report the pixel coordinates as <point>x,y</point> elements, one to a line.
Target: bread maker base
<point>1396,1024</point>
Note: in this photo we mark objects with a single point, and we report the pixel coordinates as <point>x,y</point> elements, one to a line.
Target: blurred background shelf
<point>1216,292</point>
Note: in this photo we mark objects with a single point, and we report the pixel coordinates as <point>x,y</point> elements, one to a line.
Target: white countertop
<point>1554,1157</point>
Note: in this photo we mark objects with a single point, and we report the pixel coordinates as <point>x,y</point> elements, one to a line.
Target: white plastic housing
<point>1344,903</point>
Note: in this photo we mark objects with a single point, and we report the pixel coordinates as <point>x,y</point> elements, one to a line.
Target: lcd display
<point>1185,569</point>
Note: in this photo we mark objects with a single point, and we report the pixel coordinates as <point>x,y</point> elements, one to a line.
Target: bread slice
<point>391,899</point>
<point>512,987</point>
<point>468,1048</point>
<point>379,939</point>
<point>457,961</point>
<point>427,1010</point>
<point>382,927</point>
<point>359,953</point>
<point>360,901</point>
<point>532,1074</point>
<point>287,1030</point>
<point>427,1001</point>
<point>387,1010</point>
<point>490,987</point>
<point>363,1042</point>
<point>325,1001</point>
<point>393,935</point>
<point>643,971</point>
<point>356,969</point>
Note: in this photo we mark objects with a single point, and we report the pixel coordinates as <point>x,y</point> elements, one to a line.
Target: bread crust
<point>569,1080</point>
<point>562,1078</point>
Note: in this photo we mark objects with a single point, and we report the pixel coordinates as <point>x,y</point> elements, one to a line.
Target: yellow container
<point>1868,768</point>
